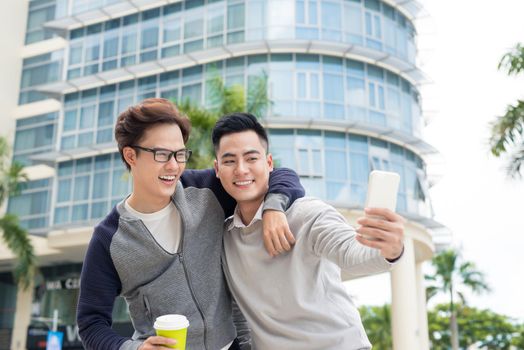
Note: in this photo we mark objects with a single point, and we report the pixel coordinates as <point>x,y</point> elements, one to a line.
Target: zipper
<point>149,314</point>
<point>186,273</point>
<point>194,299</point>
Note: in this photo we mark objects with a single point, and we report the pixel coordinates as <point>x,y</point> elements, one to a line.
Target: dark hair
<point>238,122</point>
<point>132,124</point>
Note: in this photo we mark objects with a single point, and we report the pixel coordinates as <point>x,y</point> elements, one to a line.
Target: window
<point>39,70</point>
<point>31,206</point>
<point>331,21</point>
<point>307,19</point>
<point>33,136</point>
<point>88,187</point>
<point>39,13</point>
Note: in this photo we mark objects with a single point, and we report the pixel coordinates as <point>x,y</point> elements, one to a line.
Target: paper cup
<point>174,327</point>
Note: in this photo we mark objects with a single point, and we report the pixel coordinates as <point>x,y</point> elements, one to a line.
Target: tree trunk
<point>454,331</point>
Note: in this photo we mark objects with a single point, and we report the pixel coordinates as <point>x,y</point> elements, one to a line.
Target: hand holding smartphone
<point>382,192</point>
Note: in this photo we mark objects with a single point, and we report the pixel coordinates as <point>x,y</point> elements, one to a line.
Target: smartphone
<point>382,190</point>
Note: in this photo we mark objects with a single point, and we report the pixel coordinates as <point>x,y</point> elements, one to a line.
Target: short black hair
<point>238,122</point>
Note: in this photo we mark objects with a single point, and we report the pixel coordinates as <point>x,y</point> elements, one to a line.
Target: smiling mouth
<point>243,183</point>
<point>167,178</point>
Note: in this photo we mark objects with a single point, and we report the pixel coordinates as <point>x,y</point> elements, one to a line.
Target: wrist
<point>394,260</point>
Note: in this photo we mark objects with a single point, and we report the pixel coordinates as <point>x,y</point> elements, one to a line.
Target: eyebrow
<point>229,154</point>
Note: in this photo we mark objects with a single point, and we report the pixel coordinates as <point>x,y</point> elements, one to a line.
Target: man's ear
<point>129,155</point>
<point>215,165</point>
<point>269,160</point>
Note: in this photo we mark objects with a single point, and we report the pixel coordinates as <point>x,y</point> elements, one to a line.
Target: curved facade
<point>342,81</point>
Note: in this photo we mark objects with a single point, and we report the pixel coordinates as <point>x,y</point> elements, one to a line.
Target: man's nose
<point>172,163</point>
<point>241,167</point>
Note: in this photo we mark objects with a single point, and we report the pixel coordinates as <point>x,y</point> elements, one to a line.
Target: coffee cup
<point>173,326</point>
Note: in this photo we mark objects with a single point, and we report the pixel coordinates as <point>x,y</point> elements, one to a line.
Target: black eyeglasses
<point>164,155</point>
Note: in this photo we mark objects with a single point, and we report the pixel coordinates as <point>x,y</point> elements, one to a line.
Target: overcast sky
<point>460,46</point>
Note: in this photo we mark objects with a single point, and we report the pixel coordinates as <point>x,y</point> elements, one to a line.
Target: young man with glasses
<point>160,247</point>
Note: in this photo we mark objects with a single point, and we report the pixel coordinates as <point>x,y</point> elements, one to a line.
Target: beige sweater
<point>297,300</point>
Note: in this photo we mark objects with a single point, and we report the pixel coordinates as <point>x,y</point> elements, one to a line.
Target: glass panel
<point>235,16</point>
<point>105,113</point>
<point>333,88</point>
<point>357,91</point>
<point>81,188</point>
<point>64,190</point>
<point>359,167</point>
<point>172,30</point>
<point>61,215</point>
<point>335,165</point>
<point>193,28</point>
<point>100,185</point>
<point>149,36</point>
<point>120,183</point>
<point>79,212</point>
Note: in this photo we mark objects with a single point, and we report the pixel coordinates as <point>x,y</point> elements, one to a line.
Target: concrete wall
<point>13,17</point>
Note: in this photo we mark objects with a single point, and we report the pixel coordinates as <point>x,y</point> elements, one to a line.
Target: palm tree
<point>507,131</point>
<point>222,100</point>
<point>377,323</point>
<point>451,276</point>
<point>16,238</point>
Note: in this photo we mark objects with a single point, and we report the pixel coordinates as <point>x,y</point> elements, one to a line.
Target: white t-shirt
<point>164,225</point>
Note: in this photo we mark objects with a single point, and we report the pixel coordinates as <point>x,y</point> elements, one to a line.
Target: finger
<point>277,245</point>
<point>374,222</point>
<point>386,213</point>
<point>268,244</point>
<point>370,243</point>
<point>290,237</point>
<point>159,340</point>
<point>283,241</point>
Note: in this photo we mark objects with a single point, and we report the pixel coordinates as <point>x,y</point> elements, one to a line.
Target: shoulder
<point>106,229</point>
<point>314,210</point>
<point>309,206</point>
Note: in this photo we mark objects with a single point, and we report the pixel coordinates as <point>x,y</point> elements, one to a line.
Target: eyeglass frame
<point>171,154</point>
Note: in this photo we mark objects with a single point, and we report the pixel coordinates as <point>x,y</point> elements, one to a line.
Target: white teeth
<point>243,183</point>
<point>167,178</point>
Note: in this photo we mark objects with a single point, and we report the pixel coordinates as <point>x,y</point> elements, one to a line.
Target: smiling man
<point>160,247</point>
<point>297,300</point>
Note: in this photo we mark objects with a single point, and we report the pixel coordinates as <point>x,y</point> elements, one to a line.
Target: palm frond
<point>17,240</point>
<point>513,169</point>
<point>257,98</point>
<point>513,61</point>
<point>507,133</point>
<point>431,291</point>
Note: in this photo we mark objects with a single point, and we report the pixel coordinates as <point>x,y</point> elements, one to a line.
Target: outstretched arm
<point>331,237</point>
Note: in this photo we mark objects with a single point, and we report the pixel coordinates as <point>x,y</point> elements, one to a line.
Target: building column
<point>404,314</point>
<point>24,300</point>
<point>422,309</point>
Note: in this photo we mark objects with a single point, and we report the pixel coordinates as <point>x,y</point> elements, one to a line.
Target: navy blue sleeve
<point>207,179</point>
<point>285,181</point>
<point>281,181</point>
<point>99,286</point>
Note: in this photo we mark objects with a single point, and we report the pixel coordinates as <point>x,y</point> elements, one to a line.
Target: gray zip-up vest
<point>190,282</point>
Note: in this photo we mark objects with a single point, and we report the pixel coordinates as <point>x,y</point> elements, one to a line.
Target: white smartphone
<point>382,190</point>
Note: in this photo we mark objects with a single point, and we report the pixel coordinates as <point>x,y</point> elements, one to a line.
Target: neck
<point>248,210</point>
<point>145,204</point>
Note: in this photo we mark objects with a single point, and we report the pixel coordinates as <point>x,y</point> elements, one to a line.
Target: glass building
<point>343,84</point>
